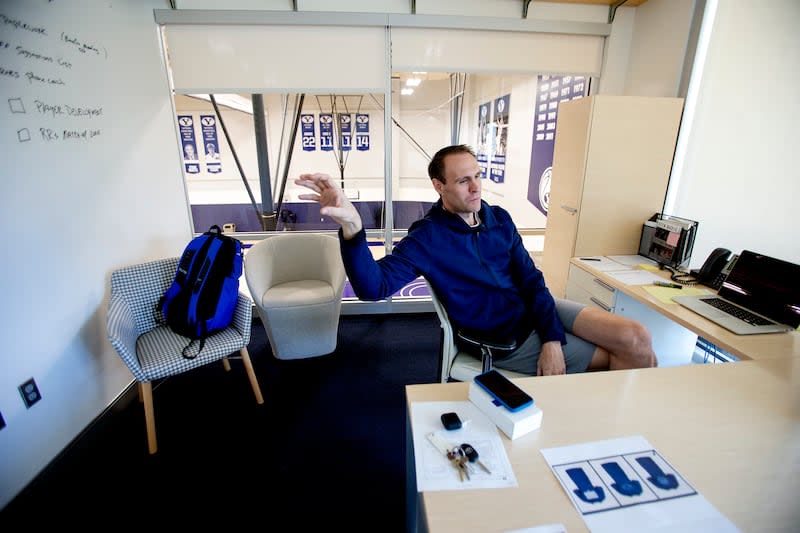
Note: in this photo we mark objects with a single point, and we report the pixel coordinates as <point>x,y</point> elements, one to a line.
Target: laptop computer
<point>760,295</point>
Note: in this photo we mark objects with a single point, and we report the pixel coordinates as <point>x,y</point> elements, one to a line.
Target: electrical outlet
<point>30,393</point>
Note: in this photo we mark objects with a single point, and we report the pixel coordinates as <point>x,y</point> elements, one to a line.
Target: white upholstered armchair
<point>296,281</point>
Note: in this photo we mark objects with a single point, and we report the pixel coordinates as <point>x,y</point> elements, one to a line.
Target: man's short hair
<point>436,166</point>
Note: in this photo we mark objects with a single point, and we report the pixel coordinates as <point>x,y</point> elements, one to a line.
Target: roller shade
<point>454,50</point>
<point>276,58</point>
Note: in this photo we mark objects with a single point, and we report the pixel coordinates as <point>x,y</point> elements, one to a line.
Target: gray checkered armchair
<point>151,350</point>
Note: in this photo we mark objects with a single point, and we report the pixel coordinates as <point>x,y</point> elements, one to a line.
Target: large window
<point>240,171</point>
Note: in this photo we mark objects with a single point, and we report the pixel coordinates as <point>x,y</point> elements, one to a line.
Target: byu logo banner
<point>208,126</point>
<point>497,172</point>
<point>485,136</point>
<point>346,122</point>
<point>325,132</point>
<point>188,144</point>
<point>362,132</point>
<point>550,91</point>
<point>308,135</point>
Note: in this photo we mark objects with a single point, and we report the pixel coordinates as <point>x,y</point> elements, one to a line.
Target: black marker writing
<point>66,109</point>
<point>19,25</point>
<point>9,73</point>
<point>36,78</point>
<point>82,47</point>
<point>28,54</point>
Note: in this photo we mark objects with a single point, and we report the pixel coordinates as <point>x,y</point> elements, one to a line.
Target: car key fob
<point>451,421</point>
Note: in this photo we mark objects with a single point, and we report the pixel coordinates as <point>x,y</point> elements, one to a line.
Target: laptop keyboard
<point>738,312</point>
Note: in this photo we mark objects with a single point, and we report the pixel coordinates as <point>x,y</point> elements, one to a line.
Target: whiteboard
<point>91,182</point>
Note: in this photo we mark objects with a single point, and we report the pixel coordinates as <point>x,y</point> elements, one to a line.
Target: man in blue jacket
<point>473,257</point>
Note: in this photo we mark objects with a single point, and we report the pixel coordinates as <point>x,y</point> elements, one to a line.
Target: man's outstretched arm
<point>371,280</point>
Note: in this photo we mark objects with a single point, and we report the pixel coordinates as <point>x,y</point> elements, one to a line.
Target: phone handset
<point>713,272</point>
<point>716,268</point>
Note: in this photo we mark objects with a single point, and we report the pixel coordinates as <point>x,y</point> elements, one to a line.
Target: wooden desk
<point>732,430</point>
<point>742,346</point>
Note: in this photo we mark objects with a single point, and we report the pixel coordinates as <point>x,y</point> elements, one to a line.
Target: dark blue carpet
<point>326,449</point>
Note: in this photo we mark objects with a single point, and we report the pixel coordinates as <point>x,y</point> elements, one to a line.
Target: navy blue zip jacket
<point>484,276</point>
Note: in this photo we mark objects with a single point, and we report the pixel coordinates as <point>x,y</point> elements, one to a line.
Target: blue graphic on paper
<point>497,171</point>
<point>362,132</point>
<point>188,145</point>
<point>346,137</point>
<point>325,132</point>
<point>622,483</point>
<point>602,484</point>
<point>208,126</point>
<point>550,91</point>
<point>657,477</point>
<point>485,136</point>
<point>307,134</point>
<point>585,491</point>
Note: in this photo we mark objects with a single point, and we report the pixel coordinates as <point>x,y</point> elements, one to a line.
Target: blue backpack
<point>204,293</point>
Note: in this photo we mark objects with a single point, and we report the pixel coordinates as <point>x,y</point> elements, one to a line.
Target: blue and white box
<point>513,424</point>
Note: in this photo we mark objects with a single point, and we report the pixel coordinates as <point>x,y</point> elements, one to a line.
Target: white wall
<point>740,176</point>
<point>658,47</point>
<point>75,209</point>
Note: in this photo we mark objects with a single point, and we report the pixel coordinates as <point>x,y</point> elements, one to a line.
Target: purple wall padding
<point>303,216</point>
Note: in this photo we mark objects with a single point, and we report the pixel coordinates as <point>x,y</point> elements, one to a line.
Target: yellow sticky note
<point>665,294</point>
<point>652,268</point>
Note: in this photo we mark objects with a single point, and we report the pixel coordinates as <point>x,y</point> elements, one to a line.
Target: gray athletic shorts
<point>577,352</point>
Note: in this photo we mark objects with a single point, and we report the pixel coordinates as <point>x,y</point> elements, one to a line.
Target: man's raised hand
<point>332,200</point>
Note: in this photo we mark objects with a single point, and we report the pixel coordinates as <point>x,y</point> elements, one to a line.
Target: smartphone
<point>503,390</point>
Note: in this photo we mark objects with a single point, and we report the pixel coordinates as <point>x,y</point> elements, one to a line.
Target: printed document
<point>434,469</point>
<point>624,485</point>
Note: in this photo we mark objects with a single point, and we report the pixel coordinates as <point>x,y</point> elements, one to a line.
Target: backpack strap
<point>184,266</point>
<point>185,351</point>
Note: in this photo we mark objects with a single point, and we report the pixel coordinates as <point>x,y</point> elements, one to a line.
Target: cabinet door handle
<point>569,209</point>
<point>600,304</point>
<point>604,285</point>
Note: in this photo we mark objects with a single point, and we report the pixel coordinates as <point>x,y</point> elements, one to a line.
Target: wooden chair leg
<point>226,364</point>
<point>146,390</point>
<point>252,375</point>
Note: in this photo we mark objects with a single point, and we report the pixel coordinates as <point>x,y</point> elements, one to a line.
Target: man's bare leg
<point>621,342</point>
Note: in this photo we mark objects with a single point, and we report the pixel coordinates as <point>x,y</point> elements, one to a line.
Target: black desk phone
<point>716,268</point>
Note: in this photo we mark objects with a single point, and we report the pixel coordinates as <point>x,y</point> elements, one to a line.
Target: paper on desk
<point>434,470</point>
<point>633,260</point>
<point>665,294</point>
<point>636,277</point>
<point>547,528</point>
<point>622,485</point>
<point>602,263</point>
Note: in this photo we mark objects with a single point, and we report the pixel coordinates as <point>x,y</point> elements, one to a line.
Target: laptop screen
<point>768,286</point>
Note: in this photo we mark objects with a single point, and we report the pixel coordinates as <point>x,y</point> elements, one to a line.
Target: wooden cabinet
<point>611,165</point>
<point>585,288</point>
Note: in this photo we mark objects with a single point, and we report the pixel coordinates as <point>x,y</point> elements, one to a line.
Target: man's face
<point>461,192</point>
